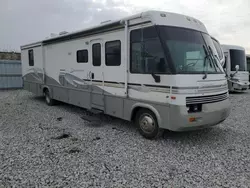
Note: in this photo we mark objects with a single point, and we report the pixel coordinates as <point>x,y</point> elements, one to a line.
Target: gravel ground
<point>42,146</point>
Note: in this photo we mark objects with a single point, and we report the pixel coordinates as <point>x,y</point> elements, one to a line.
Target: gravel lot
<point>42,146</point>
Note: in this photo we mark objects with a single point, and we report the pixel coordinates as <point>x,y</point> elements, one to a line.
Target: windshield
<point>248,64</point>
<point>238,57</point>
<point>188,50</point>
<point>218,49</point>
<point>215,56</point>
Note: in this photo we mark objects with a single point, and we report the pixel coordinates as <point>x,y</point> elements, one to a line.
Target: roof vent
<point>63,33</point>
<point>53,35</point>
<point>105,21</point>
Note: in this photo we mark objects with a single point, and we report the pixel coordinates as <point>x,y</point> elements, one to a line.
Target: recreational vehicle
<point>155,68</point>
<point>236,68</point>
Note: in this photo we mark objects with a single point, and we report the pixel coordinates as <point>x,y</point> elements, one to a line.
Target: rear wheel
<point>147,124</point>
<point>49,101</point>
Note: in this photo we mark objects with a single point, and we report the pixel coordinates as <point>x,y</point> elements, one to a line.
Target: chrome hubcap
<point>147,123</point>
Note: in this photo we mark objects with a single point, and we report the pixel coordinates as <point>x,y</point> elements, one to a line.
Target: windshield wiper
<point>213,61</point>
<point>205,62</point>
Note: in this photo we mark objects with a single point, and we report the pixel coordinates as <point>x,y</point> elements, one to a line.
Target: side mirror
<point>237,67</point>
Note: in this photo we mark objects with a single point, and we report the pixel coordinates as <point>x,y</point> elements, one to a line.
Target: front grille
<point>206,99</point>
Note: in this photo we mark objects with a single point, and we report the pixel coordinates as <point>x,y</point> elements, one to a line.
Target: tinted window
<point>82,56</point>
<point>146,53</point>
<point>238,57</point>
<point>149,33</point>
<point>113,53</point>
<point>136,35</point>
<point>31,57</point>
<point>96,54</point>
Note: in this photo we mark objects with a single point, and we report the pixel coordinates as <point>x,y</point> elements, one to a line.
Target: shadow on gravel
<point>74,150</point>
<point>93,120</point>
<point>38,98</point>
<point>62,136</point>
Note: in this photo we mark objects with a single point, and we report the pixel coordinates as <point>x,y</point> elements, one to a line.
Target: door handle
<point>92,75</point>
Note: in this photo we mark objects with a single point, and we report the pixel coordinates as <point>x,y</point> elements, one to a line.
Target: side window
<point>31,57</point>
<point>96,54</point>
<point>82,56</point>
<point>113,53</point>
<point>146,53</point>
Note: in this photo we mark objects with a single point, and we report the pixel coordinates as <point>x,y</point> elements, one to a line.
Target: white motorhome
<point>236,68</point>
<point>154,68</point>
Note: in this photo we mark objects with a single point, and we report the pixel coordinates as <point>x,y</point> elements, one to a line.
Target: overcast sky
<point>25,21</point>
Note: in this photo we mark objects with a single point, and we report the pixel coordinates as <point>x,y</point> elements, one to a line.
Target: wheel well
<point>136,109</point>
<point>45,89</point>
<point>134,112</point>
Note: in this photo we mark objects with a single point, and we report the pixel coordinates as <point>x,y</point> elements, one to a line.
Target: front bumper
<point>240,86</point>
<point>212,114</point>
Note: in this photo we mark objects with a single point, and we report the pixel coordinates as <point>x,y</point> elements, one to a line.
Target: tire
<point>49,101</point>
<point>147,124</point>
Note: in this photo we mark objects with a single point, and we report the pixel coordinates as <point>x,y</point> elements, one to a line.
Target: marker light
<point>192,119</point>
<point>173,97</point>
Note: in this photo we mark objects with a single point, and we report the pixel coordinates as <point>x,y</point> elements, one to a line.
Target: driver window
<point>146,55</point>
<point>153,57</point>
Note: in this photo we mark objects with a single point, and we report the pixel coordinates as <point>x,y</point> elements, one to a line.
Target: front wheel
<point>147,124</point>
<point>49,101</point>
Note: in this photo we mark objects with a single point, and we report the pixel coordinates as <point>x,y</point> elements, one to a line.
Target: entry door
<point>96,74</point>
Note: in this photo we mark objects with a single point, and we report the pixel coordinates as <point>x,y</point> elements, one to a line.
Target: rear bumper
<point>212,114</point>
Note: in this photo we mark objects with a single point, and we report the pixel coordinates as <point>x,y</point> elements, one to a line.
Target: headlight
<point>191,108</point>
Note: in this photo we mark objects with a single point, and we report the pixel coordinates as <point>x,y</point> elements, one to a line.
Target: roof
<point>91,29</point>
<point>148,15</point>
